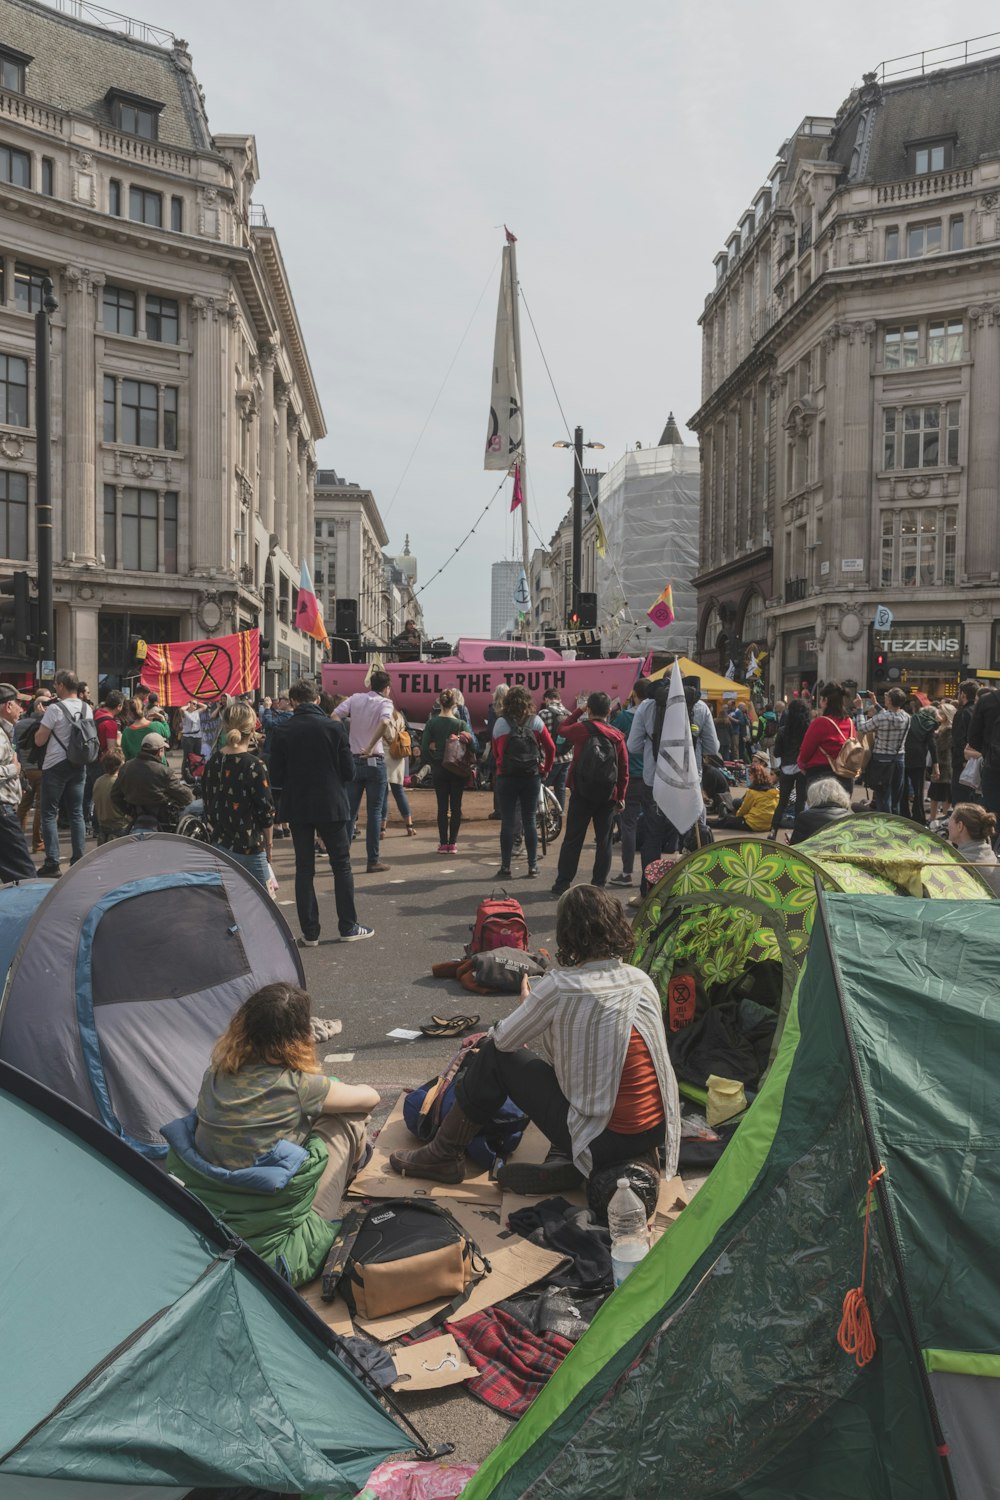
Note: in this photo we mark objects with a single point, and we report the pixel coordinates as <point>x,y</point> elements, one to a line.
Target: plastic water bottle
<point>629,1235</point>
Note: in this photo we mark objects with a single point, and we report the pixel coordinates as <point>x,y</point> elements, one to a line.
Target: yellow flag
<point>601,544</point>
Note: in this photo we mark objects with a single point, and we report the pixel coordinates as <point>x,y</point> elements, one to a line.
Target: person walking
<point>552,713</point>
<point>489,762</point>
<point>826,736</point>
<point>632,811</point>
<point>939,790</point>
<point>398,747</point>
<point>984,741</point>
<point>917,747</point>
<point>237,796</point>
<point>369,713</point>
<point>62,782</point>
<point>886,769</point>
<point>959,739</point>
<point>787,744</point>
<point>449,788</point>
<point>311,761</point>
<point>31,758</point>
<point>598,780</point>
<point>524,752</point>
<point>15,860</point>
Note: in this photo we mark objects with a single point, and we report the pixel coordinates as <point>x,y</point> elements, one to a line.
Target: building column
<point>982,545</point>
<point>80,406</point>
<point>78,623</point>
<point>311,508</point>
<point>851,529</point>
<point>206,420</point>
<point>305,539</point>
<point>265,482</point>
<point>280,444</point>
<point>294,494</point>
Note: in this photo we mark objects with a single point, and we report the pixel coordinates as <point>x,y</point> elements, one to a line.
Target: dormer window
<point>930,156</point>
<point>13,66</point>
<point>134,115</point>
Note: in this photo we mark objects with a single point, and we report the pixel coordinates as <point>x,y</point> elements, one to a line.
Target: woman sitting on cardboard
<point>597,1082</point>
<point>273,1142</point>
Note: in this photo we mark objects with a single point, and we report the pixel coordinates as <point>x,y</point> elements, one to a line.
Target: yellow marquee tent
<point>712,685</point>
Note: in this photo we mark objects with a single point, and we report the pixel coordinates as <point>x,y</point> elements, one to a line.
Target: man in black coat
<point>310,761</point>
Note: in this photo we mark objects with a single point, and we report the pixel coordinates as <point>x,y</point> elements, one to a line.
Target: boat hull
<point>416,685</point>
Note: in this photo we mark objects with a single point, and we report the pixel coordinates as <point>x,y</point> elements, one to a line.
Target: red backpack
<point>499,924</point>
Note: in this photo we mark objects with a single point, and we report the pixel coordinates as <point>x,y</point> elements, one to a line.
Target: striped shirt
<point>890,726</point>
<point>580,1020</point>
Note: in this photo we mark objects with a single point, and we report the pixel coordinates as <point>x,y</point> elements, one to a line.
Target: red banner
<point>182,670</point>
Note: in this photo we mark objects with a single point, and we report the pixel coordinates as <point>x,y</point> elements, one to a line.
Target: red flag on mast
<point>517,498</point>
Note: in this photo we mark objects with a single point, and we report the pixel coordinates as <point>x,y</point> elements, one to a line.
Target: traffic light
<point>588,611</point>
<point>18,627</point>
<point>573,621</point>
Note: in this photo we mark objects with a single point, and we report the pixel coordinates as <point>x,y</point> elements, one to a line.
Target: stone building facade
<point>850,395</point>
<point>350,536</point>
<point>184,410</point>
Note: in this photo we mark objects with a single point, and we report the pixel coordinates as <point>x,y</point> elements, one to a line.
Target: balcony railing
<point>805,239</point>
<point>795,589</point>
<point>258,217</point>
<point>927,185</point>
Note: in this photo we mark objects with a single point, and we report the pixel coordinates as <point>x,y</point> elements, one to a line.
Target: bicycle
<point>549,817</point>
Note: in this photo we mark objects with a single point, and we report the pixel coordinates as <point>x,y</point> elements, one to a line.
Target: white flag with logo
<point>883,617</point>
<point>504,438</point>
<point>522,594</point>
<point>677,780</point>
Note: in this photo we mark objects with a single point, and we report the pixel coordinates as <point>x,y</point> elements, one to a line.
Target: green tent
<point>715,1373</point>
<point>144,1347</point>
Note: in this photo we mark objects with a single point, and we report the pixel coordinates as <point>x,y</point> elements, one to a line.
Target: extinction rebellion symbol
<point>207,671</point>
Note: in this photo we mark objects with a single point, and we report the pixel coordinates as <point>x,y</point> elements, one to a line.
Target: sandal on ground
<point>411,832</point>
<point>448,1025</point>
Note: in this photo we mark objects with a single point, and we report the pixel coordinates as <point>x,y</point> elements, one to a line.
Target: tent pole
<point>888,1219</point>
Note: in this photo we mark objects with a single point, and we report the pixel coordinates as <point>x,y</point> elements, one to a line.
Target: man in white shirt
<point>15,860</point>
<point>369,714</point>
<point>62,782</point>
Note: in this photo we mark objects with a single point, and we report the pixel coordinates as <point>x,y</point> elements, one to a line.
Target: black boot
<point>443,1158</point>
<point>556,1174</point>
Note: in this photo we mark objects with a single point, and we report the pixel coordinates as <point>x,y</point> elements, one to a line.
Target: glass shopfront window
<point>799,663</point>
<point>922,654</point>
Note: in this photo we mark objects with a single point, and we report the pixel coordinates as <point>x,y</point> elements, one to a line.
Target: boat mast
<point>523,460</point>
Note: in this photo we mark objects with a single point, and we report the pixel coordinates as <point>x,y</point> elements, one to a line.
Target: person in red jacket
<point>598,780</point>
<point>826,737</point>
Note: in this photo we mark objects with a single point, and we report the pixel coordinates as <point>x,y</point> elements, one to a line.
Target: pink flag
<point>308,615</point>
<point>662,611</point>
<point>517,498</point>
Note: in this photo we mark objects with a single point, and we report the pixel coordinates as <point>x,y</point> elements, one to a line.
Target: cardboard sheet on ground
<point>378,1180</point>
<point>516,1265</point>
<point>431,1365</point>
<point>671,1199</point>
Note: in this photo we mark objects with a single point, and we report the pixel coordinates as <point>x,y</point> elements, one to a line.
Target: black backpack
<point>595,775</point>
<point>520,753</point>
<point>82,744</point>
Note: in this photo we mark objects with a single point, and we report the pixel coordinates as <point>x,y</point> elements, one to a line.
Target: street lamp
<point>578,446</point>
<point>43,476</point>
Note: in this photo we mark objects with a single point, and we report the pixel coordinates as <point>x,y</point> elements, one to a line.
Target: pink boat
<point>477,669</point>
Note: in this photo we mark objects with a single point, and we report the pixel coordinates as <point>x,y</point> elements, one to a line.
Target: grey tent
<point>122,974</point>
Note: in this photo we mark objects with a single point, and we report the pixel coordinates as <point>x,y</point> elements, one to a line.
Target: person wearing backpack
<point>68,735</point>
<point>598,781</point>
<point>918,745</point>
<point>444,725</point>
<point>524,752</point>
<point>830,731</point>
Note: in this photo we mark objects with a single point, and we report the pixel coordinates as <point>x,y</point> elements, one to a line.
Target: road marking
<point>400,881</point>
<point>341,1057</point>
<point>286,903</point>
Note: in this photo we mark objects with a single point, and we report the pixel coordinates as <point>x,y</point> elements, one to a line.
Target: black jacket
<point>984,731</point>
<point>811,819</point>
<point>310,761</point>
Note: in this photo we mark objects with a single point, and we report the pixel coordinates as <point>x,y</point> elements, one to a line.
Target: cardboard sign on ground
<point>431,1365</point>
<point>378,1180</point>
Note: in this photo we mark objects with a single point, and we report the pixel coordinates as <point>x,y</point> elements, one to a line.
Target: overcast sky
<point>620,143</point>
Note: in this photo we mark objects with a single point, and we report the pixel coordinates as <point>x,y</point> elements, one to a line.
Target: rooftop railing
<point>113,20</point>
<point>951,55</point>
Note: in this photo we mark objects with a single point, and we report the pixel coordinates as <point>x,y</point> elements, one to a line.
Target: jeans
<point>578,820</point>
<point>786,785</point>
<point>63,784</point>
<point>556,779</point>
<point>373,778</point>
<point>400,798</point>
<point>991,795</point>
<point>659,836</point>
<point>15,861</point>
<point>514,794</point>
<point>337,840</point>
<point>254,864</point>
<point>911,804</point>
<point>631,813</point>
<point>449,791</point>
<point>494,1076</point>
<point>885,774</point>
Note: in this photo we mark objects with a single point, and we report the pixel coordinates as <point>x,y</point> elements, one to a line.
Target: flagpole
<point>516,319</point>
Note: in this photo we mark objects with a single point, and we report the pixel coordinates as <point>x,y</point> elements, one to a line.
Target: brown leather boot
<point>443,1158</point>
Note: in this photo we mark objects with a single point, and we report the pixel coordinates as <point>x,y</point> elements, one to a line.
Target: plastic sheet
<point>648,504</point>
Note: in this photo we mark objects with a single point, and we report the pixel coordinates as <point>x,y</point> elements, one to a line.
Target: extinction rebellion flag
<point>182,670</point>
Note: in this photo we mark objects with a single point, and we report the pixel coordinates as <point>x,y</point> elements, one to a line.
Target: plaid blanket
<point>514,1362</point>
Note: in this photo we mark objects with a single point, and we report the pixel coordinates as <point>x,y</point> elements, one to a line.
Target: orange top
<point>638,1106</point>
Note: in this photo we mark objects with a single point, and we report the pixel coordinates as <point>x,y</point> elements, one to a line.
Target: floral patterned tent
<point>737,903</point>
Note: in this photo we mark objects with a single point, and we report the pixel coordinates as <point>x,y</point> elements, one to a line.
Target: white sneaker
<point>357,933</point>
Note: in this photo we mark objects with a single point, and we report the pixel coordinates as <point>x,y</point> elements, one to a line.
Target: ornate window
<point>12,70</point>
<point>918,546</point>
<point>162,319</point>
<point>713,629</point>
<point>921,437</point>
<point>930,156</point>
<point>901,347</point>
<point>15,167</point>
<point>134,115</point>
<point>145,207</point>
<point>13,391</point>
<point>923,239</point>
<point>28,286</point>
<point>119,310</point>
<point>754,626</point>
<point>140,528</point>
<point>140,413</point>
<point>13,514</point>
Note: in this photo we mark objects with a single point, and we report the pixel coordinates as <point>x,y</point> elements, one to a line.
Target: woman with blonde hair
<point>239,807</point>
<point>262,1096</point>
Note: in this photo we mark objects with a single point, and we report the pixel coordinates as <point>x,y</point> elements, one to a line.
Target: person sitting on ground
<point>111,823</point>
<point>146,791</point>
<point>263,1096</point>
<point>759,804</point>
<point>971,829</point>
<point>826,803</point>
<point>598,1083</point>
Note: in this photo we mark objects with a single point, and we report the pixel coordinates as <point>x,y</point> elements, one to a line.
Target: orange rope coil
<point>855,1334</point>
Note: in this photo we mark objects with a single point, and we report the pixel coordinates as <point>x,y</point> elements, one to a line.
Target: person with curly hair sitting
<point>597,1079</point>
